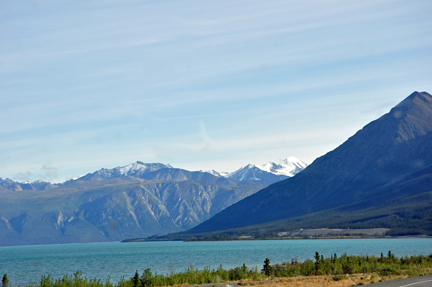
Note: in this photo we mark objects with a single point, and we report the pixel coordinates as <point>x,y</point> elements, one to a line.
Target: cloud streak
<point>144,80</point>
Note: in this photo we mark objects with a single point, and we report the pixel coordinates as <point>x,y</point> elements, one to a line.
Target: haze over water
<point>26,264</point>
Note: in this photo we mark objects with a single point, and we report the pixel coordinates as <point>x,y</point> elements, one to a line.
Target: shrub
<point>339,277</point>
<point>388,270</point>
<point>347,268</point>
<point>307,268</point>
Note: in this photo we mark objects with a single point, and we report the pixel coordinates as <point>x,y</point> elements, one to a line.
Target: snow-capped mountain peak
<point>140,167</point>
<point>270,172</point>
<point>293,161</point>
<point>136,169</point>
<point>289,166</point>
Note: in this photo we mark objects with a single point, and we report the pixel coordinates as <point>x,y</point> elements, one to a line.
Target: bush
<point>339,277</point>
<point>388,270</point>
<point>347,268</point>
<point>307,268</point>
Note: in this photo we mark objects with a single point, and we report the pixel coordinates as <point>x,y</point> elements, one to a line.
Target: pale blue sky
<point>198,84</point>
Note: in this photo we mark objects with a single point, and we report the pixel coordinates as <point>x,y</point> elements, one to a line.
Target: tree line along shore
<point>369,269</point>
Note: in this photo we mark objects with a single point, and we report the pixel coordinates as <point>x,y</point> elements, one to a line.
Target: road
<point>422,281</point>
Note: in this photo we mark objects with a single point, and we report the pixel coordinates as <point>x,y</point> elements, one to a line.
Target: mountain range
<point>8,185</point>
<point>267,173</point>
<point>379,177</point>
<point>137,200</point>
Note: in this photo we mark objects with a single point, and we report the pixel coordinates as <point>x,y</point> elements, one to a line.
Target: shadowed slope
<point>398,143</point>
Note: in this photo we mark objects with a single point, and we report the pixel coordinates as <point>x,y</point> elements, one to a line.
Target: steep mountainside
<point>137,200</point>
<point>111,205</point>
<point>362,171</point>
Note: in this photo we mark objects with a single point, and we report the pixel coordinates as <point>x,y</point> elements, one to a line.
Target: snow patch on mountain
<point>270,172</point>
<point>140,168</point>
<point>217,173</point>
<point>289,166</point>
<point>136,169</point>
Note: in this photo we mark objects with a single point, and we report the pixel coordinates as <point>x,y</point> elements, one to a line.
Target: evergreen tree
<point>5,281</point>
<point>244,268</point>
<point>135,280</point>
<point>146,277</point>
<point>267,269</point>
<point>391,256</point>
<point>317,261</point>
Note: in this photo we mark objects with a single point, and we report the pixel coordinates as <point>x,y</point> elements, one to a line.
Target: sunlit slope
<point>99,207</point>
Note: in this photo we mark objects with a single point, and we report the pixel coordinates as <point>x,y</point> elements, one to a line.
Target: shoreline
<point>299,234</point>
<point>276,238</point>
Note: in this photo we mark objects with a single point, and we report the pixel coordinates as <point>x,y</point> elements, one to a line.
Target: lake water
<point>26,264</point>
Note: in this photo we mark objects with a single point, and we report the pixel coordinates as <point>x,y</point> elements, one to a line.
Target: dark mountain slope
<point>407,212</point>
<point>397,144</point>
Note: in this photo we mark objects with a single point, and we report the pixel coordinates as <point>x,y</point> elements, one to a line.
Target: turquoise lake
<point>26,264</point>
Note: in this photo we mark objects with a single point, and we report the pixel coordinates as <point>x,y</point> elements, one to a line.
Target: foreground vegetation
<point>336,268</point>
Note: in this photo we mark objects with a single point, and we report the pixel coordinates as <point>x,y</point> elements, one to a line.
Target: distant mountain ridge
<point>111,205</point>
<point>137,169</point>
<point>7,185</point>
<point>136,200</point>
<point>268,173</point>
<point>388,160</point>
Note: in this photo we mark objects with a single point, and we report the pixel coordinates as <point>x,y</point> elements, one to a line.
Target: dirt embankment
<point>311,281</point>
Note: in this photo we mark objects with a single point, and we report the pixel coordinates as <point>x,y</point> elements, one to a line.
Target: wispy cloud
<point>23,176</point>
<point>198,82</point>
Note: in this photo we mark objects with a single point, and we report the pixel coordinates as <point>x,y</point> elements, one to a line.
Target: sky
<point>199,85</point>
